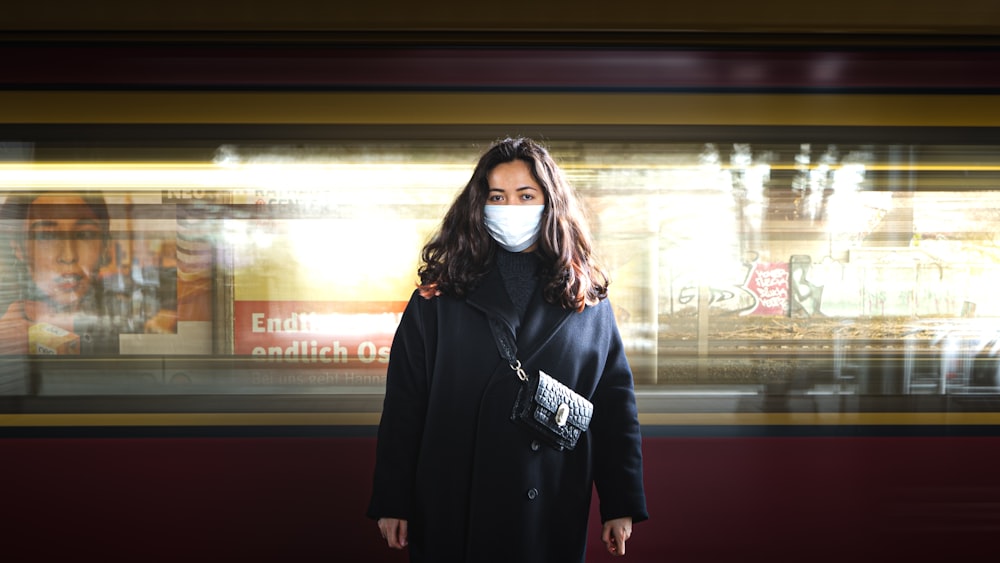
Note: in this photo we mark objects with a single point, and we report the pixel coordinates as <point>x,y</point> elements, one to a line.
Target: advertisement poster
<point>318,295</point>
<point>92,274</point>
<point>346,342</point>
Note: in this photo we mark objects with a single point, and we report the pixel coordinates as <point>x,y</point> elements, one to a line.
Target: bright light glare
<point>706,239</point>
<point>346,178</point>
<point>334,250</point>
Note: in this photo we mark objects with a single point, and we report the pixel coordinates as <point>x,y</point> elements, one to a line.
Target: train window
<point>270,268</point>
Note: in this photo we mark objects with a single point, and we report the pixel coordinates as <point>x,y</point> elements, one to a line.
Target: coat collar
<point>541,320</point>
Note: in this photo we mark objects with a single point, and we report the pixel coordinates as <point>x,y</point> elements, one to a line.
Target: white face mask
<point>514,227</point>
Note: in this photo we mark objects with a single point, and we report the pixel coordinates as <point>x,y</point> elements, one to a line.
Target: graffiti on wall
<point>768,283</point>
<point>764,291</point>
<point>807,293</point>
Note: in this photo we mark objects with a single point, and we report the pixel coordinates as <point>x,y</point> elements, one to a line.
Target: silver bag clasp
<point>562,414</point>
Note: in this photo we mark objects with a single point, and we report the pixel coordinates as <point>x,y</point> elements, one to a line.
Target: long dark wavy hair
<point>462,251</point>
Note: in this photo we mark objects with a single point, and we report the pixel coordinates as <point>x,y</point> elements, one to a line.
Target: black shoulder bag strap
<point>506,346</point>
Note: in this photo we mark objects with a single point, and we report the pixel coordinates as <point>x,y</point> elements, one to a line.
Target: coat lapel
<point>541,320</point>
<point>491,298</point>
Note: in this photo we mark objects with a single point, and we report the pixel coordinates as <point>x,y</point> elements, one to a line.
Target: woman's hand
<point>394,531</point>
<point>616,532</point>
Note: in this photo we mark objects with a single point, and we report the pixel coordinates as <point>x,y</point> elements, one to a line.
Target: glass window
<point>282,268</point>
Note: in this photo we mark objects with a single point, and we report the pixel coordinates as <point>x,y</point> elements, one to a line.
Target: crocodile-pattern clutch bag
<point>556,413</point>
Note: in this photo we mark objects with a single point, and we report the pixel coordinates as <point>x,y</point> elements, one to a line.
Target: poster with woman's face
<point>86,273</point>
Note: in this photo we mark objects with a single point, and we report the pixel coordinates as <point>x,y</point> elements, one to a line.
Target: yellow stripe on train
<point>820,419</point>
<point>450,108</point>
<point>372,419</point>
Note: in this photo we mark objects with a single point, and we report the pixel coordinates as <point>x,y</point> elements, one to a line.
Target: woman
<point>455,479</point>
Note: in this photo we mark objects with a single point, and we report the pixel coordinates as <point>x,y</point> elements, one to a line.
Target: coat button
<point>535,445</point>
<point>532,493</point>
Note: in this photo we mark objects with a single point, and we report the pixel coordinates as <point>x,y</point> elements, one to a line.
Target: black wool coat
<point>474,486</point>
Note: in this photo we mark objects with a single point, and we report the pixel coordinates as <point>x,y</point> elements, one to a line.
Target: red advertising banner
<point>327,334</point>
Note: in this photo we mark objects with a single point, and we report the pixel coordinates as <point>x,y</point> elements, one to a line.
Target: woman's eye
<point>87,235</point>
<point>45,235</point>
<point>50,236</point>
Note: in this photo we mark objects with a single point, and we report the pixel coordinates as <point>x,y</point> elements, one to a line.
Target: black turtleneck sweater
<point>520,276</point>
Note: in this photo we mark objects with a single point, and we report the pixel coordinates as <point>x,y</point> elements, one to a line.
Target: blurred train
<point>802,240</point>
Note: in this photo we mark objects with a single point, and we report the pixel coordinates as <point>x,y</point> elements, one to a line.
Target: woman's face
<point>514,206</point>
<point>63,245</point>
<point>511,183</point>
